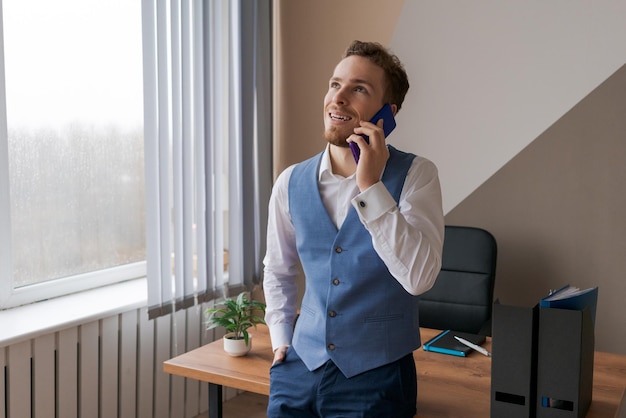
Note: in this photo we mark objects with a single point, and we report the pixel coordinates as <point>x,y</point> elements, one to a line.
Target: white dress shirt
<point>408,237</point>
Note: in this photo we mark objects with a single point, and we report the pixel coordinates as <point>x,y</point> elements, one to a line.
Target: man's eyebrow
<point>354,81</point>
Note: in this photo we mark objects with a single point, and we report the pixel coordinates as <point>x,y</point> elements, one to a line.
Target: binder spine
<point>565,363</point>
<point>514,361</point>
<point>542,362</point>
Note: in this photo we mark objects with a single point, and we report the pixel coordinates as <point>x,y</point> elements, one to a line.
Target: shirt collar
<point>325,163</point>
<point>325,166</point>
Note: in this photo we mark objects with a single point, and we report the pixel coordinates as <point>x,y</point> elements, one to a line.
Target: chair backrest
<point>462,297</point>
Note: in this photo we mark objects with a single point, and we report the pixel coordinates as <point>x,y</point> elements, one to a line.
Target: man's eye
<point>334,85</point>
<point>360,89</point>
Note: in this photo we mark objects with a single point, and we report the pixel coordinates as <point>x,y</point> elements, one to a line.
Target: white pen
<point>473,346</point>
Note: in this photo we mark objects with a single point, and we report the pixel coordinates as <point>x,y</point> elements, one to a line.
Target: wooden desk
<point>448,386</point>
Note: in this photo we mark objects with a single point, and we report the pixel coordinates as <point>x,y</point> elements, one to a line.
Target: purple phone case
<point>386,114</point>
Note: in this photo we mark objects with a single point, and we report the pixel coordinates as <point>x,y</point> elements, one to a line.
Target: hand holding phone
<point>389,124</point>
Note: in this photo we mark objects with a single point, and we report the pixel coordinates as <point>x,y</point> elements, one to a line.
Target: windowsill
<point>35,319</point>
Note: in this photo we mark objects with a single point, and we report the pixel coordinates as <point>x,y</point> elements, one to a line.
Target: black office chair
<point>462,297</point>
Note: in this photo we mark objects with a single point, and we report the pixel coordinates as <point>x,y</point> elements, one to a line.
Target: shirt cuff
<point>280,335</point>
<point>373,202</point>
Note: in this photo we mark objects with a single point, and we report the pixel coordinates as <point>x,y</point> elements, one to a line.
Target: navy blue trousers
<point>388,391</point>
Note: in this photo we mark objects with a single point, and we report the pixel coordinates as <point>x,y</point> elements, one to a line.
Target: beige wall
<point>557,209</point>
<point>519,104</point>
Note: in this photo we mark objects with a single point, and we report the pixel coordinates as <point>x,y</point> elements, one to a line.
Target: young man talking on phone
<point>369,237</point>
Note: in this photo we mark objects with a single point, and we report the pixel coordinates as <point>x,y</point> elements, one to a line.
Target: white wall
<point>493,75</point>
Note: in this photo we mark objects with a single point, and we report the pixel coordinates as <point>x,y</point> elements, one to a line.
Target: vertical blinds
<point>206,112</point>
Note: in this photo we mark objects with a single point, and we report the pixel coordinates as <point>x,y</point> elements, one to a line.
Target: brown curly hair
<point>397,79</point>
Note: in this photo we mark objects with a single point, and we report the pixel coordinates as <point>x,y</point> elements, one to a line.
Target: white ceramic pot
<point>236,348</point>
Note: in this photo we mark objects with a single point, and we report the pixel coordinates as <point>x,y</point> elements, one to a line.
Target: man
<point>369,237</point>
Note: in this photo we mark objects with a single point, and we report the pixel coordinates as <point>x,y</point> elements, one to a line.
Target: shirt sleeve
<point>408,237</point>
<point>281,265</point>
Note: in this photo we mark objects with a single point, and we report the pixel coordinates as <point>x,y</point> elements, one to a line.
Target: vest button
<point>336,282</point>
<point>362,204</point>
<point>331,346</point>
<point>338,250</point>
<point>332,314</point>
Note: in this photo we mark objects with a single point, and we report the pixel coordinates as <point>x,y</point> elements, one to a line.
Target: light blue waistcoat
<point>353,311</point>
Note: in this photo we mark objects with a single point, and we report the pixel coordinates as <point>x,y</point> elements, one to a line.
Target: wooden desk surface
<point>210,363</point>
<point>448,386</point>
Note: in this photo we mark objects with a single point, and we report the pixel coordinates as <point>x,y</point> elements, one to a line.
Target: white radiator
<point>108,368</point>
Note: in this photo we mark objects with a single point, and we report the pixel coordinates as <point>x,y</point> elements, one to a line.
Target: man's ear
<point>394,108</point>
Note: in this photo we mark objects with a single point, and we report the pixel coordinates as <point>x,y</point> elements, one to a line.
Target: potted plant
<point>236,316</point>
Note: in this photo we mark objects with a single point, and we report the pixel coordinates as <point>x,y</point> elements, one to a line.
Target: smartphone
<point>386,114</point>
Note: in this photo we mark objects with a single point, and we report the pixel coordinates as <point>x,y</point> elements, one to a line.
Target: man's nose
<point>340,97</point>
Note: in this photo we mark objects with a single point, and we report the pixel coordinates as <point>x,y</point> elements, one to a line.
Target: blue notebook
<point>445,343</point>
<point>573,298</point>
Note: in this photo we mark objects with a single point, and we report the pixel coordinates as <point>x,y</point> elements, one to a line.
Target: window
<point>76,143</point>
<point>71,147</point>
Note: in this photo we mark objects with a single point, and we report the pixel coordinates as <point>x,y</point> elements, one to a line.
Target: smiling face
<point>355,92</point>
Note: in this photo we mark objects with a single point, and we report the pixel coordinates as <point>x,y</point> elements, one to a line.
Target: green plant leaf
<point>236,315</point>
